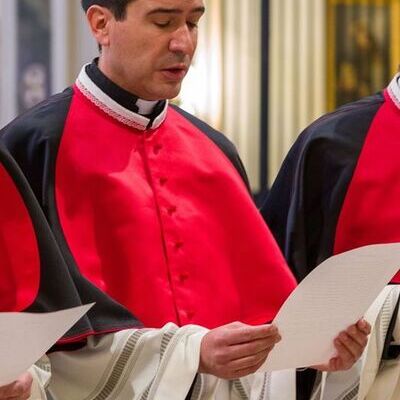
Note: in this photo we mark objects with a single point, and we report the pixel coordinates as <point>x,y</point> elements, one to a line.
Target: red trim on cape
<point>19,255</point>
<point>83,336</point>
<point>163,223</point>
<point>371,212</point>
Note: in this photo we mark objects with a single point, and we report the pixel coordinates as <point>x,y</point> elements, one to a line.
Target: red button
<point>171,210</point>
<point>157,148</point>
<point>163,181</point>
<point>178,245</point>
<point>183,277</point>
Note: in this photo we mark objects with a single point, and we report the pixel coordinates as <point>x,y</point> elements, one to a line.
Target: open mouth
<point>174,74</point>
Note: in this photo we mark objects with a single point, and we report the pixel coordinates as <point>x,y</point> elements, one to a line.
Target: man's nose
<point>183,41</point>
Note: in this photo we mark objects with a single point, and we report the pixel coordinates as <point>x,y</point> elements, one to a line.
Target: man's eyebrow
<point>175,11</point>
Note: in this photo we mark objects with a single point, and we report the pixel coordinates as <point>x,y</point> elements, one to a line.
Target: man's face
<point>149,52</point>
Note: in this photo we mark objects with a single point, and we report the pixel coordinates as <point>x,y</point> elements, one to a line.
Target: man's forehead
<point>177,5</point>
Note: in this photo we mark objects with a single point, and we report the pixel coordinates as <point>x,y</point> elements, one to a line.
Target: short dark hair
<point>117,7</point>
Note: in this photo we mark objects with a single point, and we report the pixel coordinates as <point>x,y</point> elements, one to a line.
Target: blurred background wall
<point>263,71</point>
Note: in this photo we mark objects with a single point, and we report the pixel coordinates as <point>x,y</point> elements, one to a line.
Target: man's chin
<point>163,91</point>
<point>171,93</point>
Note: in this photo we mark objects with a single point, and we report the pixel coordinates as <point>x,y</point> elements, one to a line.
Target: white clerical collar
<point>145,107</point>
<point>108,105</point>
<point>394,90</point>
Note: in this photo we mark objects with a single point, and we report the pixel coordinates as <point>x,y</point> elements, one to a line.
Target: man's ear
<point>100,20</point>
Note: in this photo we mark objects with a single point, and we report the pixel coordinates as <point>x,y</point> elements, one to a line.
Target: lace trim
<point>108,110</point>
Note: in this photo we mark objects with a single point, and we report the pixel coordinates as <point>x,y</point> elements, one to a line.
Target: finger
<point>246,371</point>
<point>236,352</point>
<point>351,345</point>
<point>250,361</point>
<point>250,333</point>
<point>345,358</point>
<point>364,326</point>
<point>248,349</point>
<point>357,335</point>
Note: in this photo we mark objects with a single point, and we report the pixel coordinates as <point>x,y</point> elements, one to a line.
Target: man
<point>152,206</point>
<point>337,189</point>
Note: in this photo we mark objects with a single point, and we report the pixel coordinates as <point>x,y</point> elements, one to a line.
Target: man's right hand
<point>18,390</point>
<point>236,350</point>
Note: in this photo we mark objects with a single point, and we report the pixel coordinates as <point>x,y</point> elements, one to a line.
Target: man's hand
<point>350,345</point>
<point>236,350</point>
<point>18,390</point>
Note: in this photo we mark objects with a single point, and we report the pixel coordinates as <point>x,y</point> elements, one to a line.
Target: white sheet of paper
<point>332,297</point>
<point>25,337</point>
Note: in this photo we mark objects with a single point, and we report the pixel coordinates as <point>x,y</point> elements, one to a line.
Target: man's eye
<point>192,25</point>
<point>163,24</point>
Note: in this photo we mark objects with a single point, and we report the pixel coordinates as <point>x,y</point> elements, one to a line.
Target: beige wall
<point>83,47</point>
<point>228,76</point>
<point>8,60</point>
<point>297,72</point>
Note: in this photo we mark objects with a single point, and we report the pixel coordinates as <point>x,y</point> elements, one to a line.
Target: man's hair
<point>117,7</point>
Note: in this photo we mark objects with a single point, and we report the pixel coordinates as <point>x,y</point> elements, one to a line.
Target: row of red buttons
<point>171,211</point>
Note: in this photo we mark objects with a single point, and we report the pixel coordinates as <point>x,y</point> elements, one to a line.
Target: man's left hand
<point>350,345</point>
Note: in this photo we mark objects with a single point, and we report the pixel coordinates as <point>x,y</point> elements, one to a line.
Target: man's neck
<point>121,95</point>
